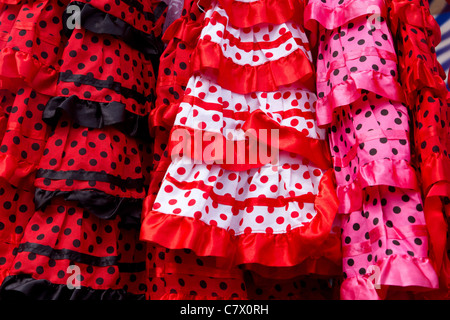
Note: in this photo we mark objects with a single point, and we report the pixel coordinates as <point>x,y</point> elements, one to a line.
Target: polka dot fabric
<point>228,205</point>
<point>381,209</point>
<point>33,45</point>
<point>423,78</point>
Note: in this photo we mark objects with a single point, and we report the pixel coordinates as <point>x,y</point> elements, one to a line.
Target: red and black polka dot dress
<point>94,167</point>
<point>422,77</point>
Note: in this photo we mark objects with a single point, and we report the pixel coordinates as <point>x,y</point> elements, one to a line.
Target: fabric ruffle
<point>100,22</point>
<point>24,287</point>
<point>102,68</point>
<point>92,114</point>
<point>393,273</point>
<point>228,235</point>
<point>246,61</point>
<point>145,16</point>
<point>64,238</point>
<point>350,62</point>
<point>221,117</point>
<point>245,14</point>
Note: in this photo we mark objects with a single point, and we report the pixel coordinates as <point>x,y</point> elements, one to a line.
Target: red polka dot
<point>197,215</point>
<point>241,191</point>
<point>216,118</point>
<point>266,37</point>
<point>259,219</point>
<point>294,214</point>
<point>270,209</point>
<point>289,47</point>
<point>238,106</point>
<point>207,37</point>
<point>294,103</point>
<point>212,179</point>
<point>288,228</point>
<point>255,58</point>
<point>156,205</point>
<point>241,222</point>
<point>252,188</point>
<point>247,30</point>
<point>295,166</point>
<point>191,202</point>
<point>306,175</point>
<point>264,179</point>
<point>202,125</point>
<point>231,231</point>
<point>269,230</point>
<point>198,84</point>
<point>294,122</point>
<point>309,216</point>
<point>202,95</point>
<point>256,29</point>
<point>223,217</point>
<point>183,120</point>
<point>219,33</point>
<point>196,174</point>
<point>187,194</point>
<point>172,201</point>
<point>188,91</point>
<point>298,95</point>
<point>249,209</point>
<point>317,172</point>
<point>277,96</point>
<point>195,113</point>
<point>269,55</point>
<point>181,171</point>
<point>282,31</point>
<point>177,211</point>
<point>168,189</point>
<point>264,95</point>
<point>280,220</point>
<point>219,185</point>
<point>310,125</point>
<point>213,223</point>
<point>248,230</point>
<point>273,188</point>
<point>238,56</point>
<point>232,176</point>
<point>235,211</point>
<point>213,89</point>
<point>298,186</point>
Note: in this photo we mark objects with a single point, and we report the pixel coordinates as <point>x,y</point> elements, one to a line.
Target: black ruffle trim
<point>98,203</point>
<point>100,22</point>
<point>24,287</point>
<point>92,114</point>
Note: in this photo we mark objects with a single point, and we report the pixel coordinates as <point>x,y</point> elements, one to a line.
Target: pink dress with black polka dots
<point>384,233</point>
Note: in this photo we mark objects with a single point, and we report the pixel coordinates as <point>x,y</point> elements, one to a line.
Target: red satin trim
<point>185,30</point>
<point>17,172</point>
<point>275,250</point>
<point>348,92</point>
<point>290,139</point>
<point>228,200</point>
<point>435,168</point>
<point>397,173</point>
<point>436,222</point>
<point>17,64</point>
<point>243,79</point>
<point>189,297</point>
<point>248,14</point>
<point>189,146</point>
<point>412,13</point>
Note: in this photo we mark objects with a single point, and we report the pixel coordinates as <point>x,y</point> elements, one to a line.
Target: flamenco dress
<point>269,221</point>
<point>362,104</point>
<point>95,167</point>
<point>422,79</point>
<point>30,49</point>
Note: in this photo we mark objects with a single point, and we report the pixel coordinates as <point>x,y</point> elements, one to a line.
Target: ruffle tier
<point>65,245</point>
<point>102,22</point>
<point>220,209</point>
<point>282,120</point>
<point>246,14</point>
<point>31,45</point>
<point>261,58</point>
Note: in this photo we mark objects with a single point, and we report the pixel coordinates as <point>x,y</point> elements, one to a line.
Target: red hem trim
<point>244,79</point>
<point>275,250</point>
<point>248,14</point>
